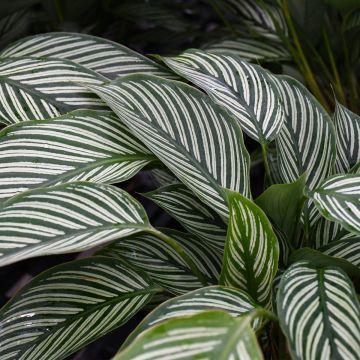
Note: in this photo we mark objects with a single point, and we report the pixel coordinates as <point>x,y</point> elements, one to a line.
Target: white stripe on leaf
<point>103,56</point>
<point>319,313</point>
<point>196,139</point>
<point>70,305</point>
<point>83,145</point>
<point>245,90</point>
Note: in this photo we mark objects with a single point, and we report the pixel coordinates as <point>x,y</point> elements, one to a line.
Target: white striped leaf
<point>319,313</point>
<point>324,232</point>
<point>233,301</point>
<point>70,305</point>
<point>338,199</point>
<point>196,217</point>
<point>347,249</point>
<point>196,139</point>
<point>82,145</point>
<point>250,49</point>
<point>163,264</point>
<point>306,142</point>
<point>347,126</point>
<point>263,18</point>
<point>33,88</point>
<point>251,250</point>
<point>245,90</point>
<point>212,335</point>
<point>103,56</point>
<point>66,218</point>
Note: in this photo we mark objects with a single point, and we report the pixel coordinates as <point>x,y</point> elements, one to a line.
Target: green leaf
<point>209,335</point>
<point>196,139</point>
<point>250,49</point>
<point>319,313</point>
<point>338,199</point>
<point>163,264</point>
<point>66,218</point>
<point>283,203</point>
<point>42,88</point>
<point>347,126</point>
<point>70,305</point>
<point>348,249</point>
<point>324,232</point>
<point>103,56</point>
<point>251,250</point>
<point>245,90</point>
<point>196,217</point>
<point>82,145</point>
<point>319,259</point>
<point>306,142</point>
<point>235,302</point>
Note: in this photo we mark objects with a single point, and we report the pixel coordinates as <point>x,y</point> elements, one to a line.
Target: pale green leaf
<point>213,335</point>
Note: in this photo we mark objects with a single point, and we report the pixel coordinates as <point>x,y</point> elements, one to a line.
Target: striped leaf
<point>41,88</point>
<point>319,313</point>
<point>347,126</point>
<point>245,90</point>
<point>163,264</point>
<point>306,142</point>
<point>196,139</point>
<point>66,218</point>
<point>263,18</point>
<point>251,250</point>
<point>70,305</point>
<point>196,217</point>
<point>324,232</point>
<point>213,335</point>
<point>347,249</point>
<point>103,56</point>
<point>338,199</point>
<point>81,145</point>
<point>235,302</point>
<point>250,49</point>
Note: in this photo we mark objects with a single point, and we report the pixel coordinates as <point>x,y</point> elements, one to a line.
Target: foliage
<point>250,271</point>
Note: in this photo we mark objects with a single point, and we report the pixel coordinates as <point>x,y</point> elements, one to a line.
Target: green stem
<point>223,17</point>
<point>300,58</point>
<point>266,163</point>
<point>180,250</point>
<point>337,84</point>
<point>59,11</point>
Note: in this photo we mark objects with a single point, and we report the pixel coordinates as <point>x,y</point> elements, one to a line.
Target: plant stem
<point>59,11</point>
<point>337,84</point>
<point>301,59</point>
<point>222,17</point>
<point>180,250</point>
<point>266,163</point>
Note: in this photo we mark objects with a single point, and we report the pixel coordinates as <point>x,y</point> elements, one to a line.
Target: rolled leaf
<point>235,302</point>
<point>213,335</point>
<point>196,217</point>
<point>32,88</point>
<point>251,250</point>
<point>163,264</point>
<point>101,55</point>
<point>196,139</point>
<point>70,305</point>
<point>66,218</point>
<point>83,145</point>
<point>338,199</point>
<point>245,90</point>
<point>319,313</point>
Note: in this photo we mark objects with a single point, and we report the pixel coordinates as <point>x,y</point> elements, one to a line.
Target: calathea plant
<point>246,278</point>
